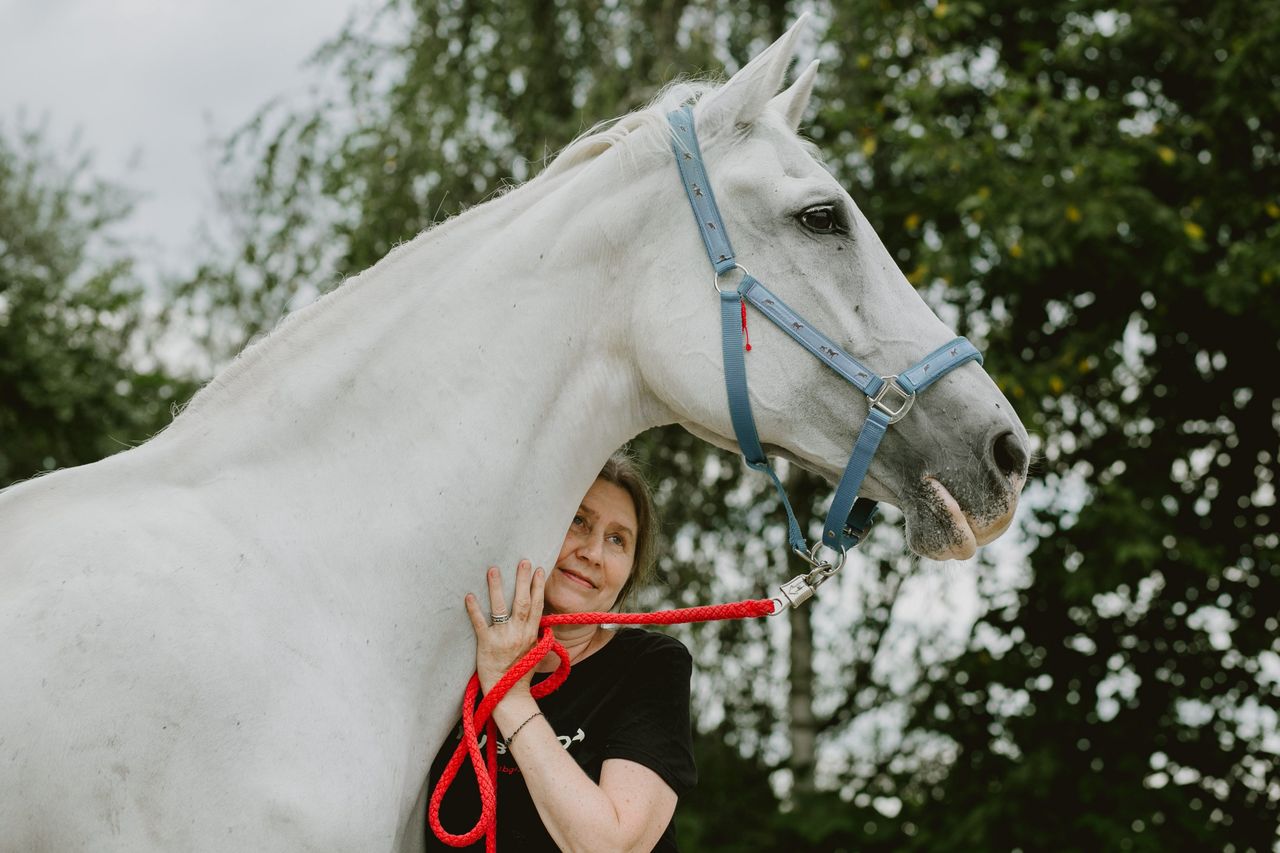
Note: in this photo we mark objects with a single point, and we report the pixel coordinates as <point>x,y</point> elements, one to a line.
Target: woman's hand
<point>500,645</point>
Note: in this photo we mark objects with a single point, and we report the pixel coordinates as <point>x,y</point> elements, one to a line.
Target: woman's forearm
<point>577,813</point>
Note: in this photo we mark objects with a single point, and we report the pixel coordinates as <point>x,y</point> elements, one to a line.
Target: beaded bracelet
<point>521,726</point>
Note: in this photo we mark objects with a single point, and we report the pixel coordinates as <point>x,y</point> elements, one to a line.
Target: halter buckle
<point>906,399</point>
<point>716,276</point>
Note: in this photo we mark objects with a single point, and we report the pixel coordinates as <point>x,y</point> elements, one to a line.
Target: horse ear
<point>795,99</point>
<point>747,94</point>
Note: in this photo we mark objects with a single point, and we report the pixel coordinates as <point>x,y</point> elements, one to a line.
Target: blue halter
<point>890,396</point>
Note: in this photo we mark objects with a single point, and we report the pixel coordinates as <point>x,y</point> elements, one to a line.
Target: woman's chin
<point>559,599</point>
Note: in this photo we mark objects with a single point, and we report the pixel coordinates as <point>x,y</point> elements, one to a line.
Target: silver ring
<point>716,276</point>
<point>499,618</point>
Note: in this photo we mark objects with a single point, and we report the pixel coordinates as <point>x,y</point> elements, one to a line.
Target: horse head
<point>955,464</point>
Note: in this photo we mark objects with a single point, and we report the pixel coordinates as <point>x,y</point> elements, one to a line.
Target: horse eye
<point>821,220</point>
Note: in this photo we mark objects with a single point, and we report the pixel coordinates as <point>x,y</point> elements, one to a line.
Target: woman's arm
<point>627,811</point>
<point>632,805</point>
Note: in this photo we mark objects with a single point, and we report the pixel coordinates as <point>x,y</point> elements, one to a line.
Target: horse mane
<point>644,131</point>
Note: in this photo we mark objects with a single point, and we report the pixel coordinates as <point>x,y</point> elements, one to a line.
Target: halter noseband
<point>890,397</point>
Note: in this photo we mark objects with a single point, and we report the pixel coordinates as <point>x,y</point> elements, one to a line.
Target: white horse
<point>247,634</point>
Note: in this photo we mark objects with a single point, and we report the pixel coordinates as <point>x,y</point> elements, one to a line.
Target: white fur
<point>248,633</point>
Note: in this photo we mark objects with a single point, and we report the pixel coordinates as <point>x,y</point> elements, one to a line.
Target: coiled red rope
<point>482,715</point>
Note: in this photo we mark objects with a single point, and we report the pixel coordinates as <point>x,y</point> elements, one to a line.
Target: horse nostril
<point>1009,455</point>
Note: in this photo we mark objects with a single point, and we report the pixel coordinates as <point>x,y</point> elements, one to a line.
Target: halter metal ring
<point>906,399</point>
<point>716,276</point>
<point>826,567</point>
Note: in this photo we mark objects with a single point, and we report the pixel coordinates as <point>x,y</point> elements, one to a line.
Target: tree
<point>1096,190</point>
<point>70,390</point>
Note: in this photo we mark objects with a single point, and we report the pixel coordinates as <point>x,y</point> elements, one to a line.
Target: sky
<point>148,83</point>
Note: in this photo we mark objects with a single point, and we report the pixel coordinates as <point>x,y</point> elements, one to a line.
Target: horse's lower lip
<point>964,542</point>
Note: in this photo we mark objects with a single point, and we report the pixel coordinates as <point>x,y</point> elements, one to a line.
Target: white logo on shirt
<point>565,741</point>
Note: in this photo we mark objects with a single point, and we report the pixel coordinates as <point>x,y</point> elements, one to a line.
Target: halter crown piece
<point>890,396</point>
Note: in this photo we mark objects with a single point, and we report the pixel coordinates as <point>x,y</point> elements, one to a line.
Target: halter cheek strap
<point>889,397</point>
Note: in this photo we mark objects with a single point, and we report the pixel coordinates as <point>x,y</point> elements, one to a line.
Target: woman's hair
<point>623,472</point>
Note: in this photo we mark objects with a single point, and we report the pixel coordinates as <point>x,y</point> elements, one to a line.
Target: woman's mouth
<point>577,578</point>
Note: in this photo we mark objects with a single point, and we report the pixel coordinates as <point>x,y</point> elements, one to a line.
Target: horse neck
<point>461,393</point>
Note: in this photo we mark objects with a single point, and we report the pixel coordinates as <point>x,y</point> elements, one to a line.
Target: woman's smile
<point>576,578</point>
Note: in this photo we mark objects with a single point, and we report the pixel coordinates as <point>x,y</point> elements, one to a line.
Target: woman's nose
<point>592,549</point>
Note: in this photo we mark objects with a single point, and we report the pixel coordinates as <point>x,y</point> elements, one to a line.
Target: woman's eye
<point>578,521</point>
<point>821,220</point>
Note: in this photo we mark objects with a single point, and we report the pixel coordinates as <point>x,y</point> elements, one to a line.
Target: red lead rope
<point>483,715</point>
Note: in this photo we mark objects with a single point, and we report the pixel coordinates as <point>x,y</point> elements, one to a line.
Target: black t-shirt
<point>629,700</point>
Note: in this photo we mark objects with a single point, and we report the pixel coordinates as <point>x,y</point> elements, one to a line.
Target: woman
<point>599,764</point>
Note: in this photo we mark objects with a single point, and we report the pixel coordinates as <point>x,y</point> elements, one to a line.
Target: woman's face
<point>597,554</point>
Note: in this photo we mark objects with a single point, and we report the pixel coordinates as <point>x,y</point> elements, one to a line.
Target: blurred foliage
<point>70,388</point>
<point>1097,188</point>
<point>1091,192</point>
